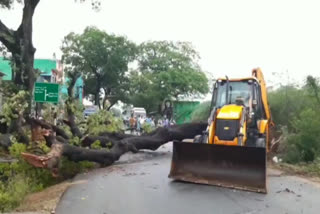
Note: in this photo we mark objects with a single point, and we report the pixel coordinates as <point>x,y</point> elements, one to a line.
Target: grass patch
<point>17,179</point>
<point>305,169</point>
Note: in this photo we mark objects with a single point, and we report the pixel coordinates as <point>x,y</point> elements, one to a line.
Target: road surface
<point>143,187</point>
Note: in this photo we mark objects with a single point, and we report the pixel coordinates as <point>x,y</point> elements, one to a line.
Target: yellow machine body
<point>232,151</point>
<point>231,113</point>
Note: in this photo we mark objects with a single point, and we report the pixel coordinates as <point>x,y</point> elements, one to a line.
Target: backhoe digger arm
<point>257,73</point>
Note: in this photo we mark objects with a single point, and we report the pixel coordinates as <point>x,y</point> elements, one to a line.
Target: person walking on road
<point>166,122</point>
<point>132,123</point>
<point>138,125</point>
<point>148,120</point>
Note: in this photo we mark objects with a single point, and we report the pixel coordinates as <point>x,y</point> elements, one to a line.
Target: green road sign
<point>46,92</point>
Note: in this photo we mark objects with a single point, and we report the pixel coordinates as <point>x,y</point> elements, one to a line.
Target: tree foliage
<point>286,103</point>
<point>14,107</point>
<point>166,70</point>
<point>103,121</point>
<point>102,59</point>
<point>305,141</point>
<point>19,43</point>
<point>298,109</point>
<point>19,178</point>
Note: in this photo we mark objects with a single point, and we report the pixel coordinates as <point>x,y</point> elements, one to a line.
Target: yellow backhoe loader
<point>232,151</point>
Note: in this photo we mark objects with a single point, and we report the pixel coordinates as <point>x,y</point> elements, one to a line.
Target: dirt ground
<point>288,169</point>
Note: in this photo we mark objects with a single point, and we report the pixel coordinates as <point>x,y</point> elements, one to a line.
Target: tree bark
<point>56,129</point>
<point>5,141</point>
<point>17,130</point>
<point>105,98</point>
<point>24,33</point>
<point>71,117</point>
<point>110,106</point>
<point>313,85</point>
<point>7,37</point>
<point>96,96</point>
<point>72,123</point>
<point>19,43</point>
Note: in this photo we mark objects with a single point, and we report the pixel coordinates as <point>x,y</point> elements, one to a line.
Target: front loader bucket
<point>228,166</point>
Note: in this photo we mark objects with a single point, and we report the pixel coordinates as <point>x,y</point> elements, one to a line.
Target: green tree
<point>102,59</point>
<point>313,86</point>
<point>143,92</point>
<point>304,141</point>
<point>19,42</point>
<point>166,70</point>
<point>286,103</point>
<point>297,108</point>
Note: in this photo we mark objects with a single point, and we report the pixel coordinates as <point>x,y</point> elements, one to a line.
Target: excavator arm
<point>257,73</point>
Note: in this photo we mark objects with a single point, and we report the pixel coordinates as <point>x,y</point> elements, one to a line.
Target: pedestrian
<point>148,120</point>
<point>153,124</point>
<point>142,120</point>
<point>166,122</point>
<point>139,125</point>
<point>132,123</point>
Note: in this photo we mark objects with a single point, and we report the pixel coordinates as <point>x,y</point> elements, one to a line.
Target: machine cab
<point>237,112</point>
<point>244,92</point>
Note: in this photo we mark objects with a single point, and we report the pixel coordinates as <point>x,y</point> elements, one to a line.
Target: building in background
<point>46,67</point>
<point>78,88</point>
<point>5,68</point>
<point>51,71</point>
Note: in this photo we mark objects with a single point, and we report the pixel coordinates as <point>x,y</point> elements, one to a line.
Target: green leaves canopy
<point>102,59</point>
<point>298,110</point>
<point>166,70</point>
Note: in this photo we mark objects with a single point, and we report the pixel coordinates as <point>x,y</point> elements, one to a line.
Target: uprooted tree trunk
<point>106,158</point>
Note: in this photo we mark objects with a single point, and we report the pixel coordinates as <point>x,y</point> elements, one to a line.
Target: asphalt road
<point>143,187</point>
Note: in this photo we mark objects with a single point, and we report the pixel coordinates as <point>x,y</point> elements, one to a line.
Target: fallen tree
<point>60,142</point>
<point>124,144</point>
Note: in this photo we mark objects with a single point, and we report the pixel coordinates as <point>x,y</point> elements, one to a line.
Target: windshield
<point>237,91</point>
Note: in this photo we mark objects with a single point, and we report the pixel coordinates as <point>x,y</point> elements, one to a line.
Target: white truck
<point>136,112</point>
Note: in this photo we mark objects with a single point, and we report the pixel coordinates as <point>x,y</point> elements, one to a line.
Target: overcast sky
<point>232,36</point>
